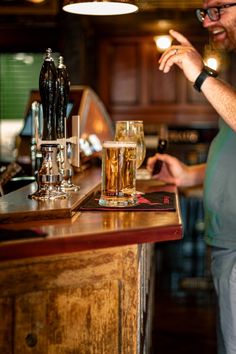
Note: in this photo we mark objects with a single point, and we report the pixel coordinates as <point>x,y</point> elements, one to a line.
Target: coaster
<point>155,201</point>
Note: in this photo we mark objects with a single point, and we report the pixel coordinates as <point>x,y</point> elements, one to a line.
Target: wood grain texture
<point>53,272</point>
<point>6,328</point>
<point>88,302</point>
<point>82,320</point>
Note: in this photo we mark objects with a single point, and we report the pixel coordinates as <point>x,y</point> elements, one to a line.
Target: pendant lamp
<point>100,7</point>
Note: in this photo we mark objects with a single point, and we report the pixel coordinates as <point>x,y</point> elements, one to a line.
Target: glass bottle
<point>161,147</point>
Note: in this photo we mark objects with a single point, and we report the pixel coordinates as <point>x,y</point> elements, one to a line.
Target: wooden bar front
<point>87,286</point>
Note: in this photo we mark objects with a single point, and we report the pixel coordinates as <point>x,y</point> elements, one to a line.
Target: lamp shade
<point>99,8</point>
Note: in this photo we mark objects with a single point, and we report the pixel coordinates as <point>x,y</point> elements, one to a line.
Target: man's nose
<point>207,21</point>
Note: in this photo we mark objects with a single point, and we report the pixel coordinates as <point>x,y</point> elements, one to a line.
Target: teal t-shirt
<point>220,190</point>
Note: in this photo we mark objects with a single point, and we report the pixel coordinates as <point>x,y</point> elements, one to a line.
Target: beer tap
<point>49,177</point>
<point>33,147</point>
<point>65,168</point>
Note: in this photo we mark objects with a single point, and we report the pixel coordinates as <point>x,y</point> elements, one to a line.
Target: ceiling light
<point>99,8</point>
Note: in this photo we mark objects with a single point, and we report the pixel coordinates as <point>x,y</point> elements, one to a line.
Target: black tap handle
<point>63,98</point>
<point>48,88</point>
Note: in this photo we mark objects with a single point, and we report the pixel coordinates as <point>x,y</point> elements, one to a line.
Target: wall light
<point>163,42</point>
<point>36,1</point>
<point>212,57</point>
<point>100,8</point>
<point>212,63</point>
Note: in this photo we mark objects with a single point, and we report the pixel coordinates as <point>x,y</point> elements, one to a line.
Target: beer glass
<point>118,174</point>
<point>132,130</point>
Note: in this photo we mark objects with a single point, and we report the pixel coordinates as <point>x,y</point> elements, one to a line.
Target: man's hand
<point>174,171</point>
<point>184,55</point>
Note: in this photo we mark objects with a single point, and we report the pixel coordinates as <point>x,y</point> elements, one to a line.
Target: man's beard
<point>227,45</point>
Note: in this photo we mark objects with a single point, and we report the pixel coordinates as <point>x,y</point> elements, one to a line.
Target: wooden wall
<point>117,57</point>
<point>132,86</point>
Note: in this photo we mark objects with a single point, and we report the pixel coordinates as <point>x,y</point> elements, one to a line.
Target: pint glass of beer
<point>118,174</point>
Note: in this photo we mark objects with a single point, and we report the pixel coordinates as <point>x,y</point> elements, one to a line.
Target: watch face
<point>210,71</point>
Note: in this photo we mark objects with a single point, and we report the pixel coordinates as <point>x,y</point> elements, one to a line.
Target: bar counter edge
<point>90,230</point>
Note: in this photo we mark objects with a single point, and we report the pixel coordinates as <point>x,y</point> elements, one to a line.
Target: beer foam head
<point>129,121</point>
<point>118,144</point>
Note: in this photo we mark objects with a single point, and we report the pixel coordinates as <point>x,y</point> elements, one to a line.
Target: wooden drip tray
<point>17,206</point>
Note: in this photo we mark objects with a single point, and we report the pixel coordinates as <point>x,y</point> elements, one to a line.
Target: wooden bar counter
<point>85,287</point>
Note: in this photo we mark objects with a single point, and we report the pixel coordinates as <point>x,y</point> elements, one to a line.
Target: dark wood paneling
<point>124,73</point>
<point>162,87</point>
<point>132,86</point>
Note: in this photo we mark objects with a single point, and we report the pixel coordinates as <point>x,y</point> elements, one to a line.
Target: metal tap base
<point>48,192</point>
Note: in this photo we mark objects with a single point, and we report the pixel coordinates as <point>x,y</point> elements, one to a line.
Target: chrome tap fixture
<point>65,167</point>
<point>54,175</point>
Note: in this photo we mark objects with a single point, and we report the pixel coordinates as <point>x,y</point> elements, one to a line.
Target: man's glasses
<point>213,13</point>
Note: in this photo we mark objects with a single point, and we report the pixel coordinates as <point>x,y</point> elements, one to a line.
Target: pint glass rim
<point>130,121</point>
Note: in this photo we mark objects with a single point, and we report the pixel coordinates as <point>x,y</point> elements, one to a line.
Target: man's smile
<point>217,34</point>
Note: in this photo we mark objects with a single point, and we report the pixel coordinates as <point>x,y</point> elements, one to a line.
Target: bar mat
<point>155,201</point>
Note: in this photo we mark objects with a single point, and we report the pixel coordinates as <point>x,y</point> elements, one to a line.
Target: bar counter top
<point>84,230</point>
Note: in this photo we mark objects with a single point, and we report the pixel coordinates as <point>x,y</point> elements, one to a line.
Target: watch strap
<point>205,73</point>
<point>200,79</point>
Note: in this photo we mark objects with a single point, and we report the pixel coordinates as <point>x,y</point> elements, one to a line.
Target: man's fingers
<point>166,56</point>
<point>168,62</point>
<point>180,38</point>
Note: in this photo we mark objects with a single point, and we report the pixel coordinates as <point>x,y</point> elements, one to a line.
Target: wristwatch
<point>205,73</point>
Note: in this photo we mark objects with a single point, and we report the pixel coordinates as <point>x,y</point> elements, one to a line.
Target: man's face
<point>223,31</point>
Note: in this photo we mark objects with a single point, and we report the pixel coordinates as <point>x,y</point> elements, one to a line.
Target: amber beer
<point>118,174</point>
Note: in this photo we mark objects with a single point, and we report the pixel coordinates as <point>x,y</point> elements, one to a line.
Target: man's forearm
<point>196,175</point>
<point>223,98</point>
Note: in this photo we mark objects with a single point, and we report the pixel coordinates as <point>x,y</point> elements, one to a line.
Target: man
<point>219,174</point>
